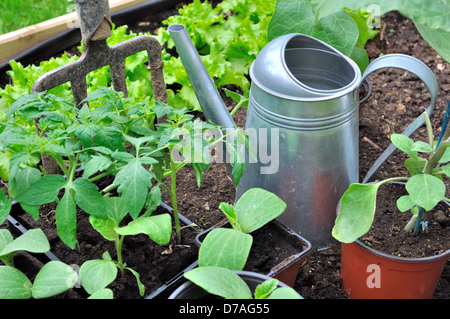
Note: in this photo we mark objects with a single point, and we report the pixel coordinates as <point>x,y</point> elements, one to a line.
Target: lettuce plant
<point>228,44</point>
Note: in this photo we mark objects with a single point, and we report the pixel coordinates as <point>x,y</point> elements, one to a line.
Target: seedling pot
<point>18,227</point>
<point>370,274</point>
<point>189,290</point>
<point>285,270</point>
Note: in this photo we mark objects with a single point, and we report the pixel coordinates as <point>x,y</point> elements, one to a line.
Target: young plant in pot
<point>370,273</point>
<point>111,137</point>
<point>224,253</point>
<point>254,216</point>
<point>93,138</point>
<point>54,278</point>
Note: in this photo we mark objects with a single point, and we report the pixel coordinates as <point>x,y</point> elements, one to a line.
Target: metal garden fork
<point>95,24</point>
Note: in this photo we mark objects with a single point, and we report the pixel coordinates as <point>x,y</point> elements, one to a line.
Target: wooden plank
<point>13,43</point>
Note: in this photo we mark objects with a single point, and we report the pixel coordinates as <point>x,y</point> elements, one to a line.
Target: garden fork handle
<point>95,20</point>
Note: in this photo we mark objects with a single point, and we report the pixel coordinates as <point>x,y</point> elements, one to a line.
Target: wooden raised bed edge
<point>39,37</point>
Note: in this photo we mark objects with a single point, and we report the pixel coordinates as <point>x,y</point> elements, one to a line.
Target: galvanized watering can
<point>303,119</point>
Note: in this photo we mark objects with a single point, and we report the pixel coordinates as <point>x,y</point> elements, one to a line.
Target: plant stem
<point>109,188</point>
<point>119,243</point>
<point>435,157</point>
<point>394,179</point>
<point>238,106</point>
<point>410,226</point>
<point>429,130</point>
<point>93,179</point>
<point>61,164</point>
<point>418,221</point>
<point>173,195</point>
<point>177,166</point>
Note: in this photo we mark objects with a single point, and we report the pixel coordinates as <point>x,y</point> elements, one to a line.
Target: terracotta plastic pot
<point>189,290</point>
<point>287,269</point>
<point>370,274</point>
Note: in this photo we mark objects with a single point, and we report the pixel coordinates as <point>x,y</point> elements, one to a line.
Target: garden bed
<point>396,100</point>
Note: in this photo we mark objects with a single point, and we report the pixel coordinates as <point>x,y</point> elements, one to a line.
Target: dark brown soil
<point>396,100</point>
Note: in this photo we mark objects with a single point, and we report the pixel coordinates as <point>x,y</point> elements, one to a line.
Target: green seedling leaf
<point>54,278</point>
<point>115,208</point>
<point>85,133</point>
<point>15,285</point>
<point>198,172</point>
<point>138,280</point>
<point>5,239</point>
<point>404,143</point>
<point>66,220</point>
<point>88,198</point>
<point>97,274</point>
<point>153,200</point>
<point>405,203</point>
<point>106,227</point>
<point>230,213</point>
<point>284,293</point>
<point>105,293</point>
<point>5,206</point>
<point>421,146</point>
<point>43,191</point>
<point>33,241</point>
<point>134,181</point>
<point>5,158</point>
<point>109,137</point>
<point>225,247</point>
<point>446,156</point>
<point>24,178</point>
<point>415,165</point>
<point>158,228</point>
<point>237,171</point>
<point>265,288</point>
<point>220,281</point>
<point>122,156</point>
<point>137,142</point>
<point>356,212</point>
<point>256,207</point>
<point>446,169</point>
<point>425,190</point>
<point>97,163</point>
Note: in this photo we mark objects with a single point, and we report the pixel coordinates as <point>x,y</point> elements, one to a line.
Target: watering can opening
<point>316,66</point>
<point>319,70</point>
<point>302,68</point>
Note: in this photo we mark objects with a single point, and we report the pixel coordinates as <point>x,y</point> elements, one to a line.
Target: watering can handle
<point>424,73</point>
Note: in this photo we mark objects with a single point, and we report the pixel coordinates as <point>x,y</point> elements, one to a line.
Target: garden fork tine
<point>95,24</point>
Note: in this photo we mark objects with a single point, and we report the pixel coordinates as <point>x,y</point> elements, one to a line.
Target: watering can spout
<point>208,97</point>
